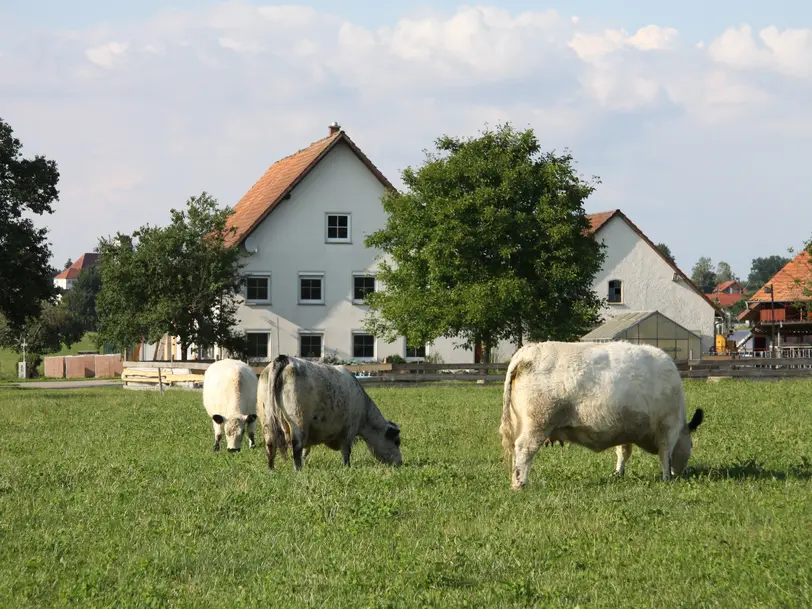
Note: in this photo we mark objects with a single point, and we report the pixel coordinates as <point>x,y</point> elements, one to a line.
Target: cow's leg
<point>346,449</point>
<point>251,429</point>
<point>624,451</point>
<point>526,447</point>
<point>218,434</point>
<point>306,453</point>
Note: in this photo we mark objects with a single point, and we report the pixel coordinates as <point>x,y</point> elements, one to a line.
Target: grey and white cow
<point>597,395</point>
<point>230,398</point>
<point>303,403</point>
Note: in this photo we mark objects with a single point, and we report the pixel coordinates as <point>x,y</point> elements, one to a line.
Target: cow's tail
<point>280,428</point>
<point>506,428</point>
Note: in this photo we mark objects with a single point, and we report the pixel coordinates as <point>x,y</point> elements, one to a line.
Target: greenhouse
<point>649,328</point>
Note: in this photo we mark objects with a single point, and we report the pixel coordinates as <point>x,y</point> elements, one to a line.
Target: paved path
<point>70,384</point>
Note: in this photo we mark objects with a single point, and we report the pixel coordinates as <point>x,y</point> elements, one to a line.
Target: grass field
<point>114,498</point>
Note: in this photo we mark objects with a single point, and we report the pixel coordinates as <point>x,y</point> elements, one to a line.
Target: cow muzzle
<point>233,450</point>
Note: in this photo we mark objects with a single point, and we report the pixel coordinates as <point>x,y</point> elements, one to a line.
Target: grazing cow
<point>230,398</point>
<point>598,395</point>
<point>303,404</point>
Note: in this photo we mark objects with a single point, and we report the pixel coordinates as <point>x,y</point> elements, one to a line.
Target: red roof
<point>599,220</point>
<point>727,300</point>
<point>85,261</point>
<point>727,284</point>
<point>280,179</point>
<point>790,283</point>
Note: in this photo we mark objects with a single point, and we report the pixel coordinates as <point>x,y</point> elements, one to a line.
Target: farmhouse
<point>67,278</point>
<point>304,223</point>
<point>637,277</point>
<point>780,313</point>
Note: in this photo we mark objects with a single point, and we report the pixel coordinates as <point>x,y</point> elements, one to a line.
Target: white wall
<point>648,283</point>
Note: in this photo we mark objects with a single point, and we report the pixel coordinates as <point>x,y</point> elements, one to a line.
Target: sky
<point>696,120</point>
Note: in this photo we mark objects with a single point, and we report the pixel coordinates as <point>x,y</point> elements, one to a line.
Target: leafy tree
<point>180,279</point>
<point>703,275</point>
<point>81,300</point>
<point>490,242</point>
<point>46,333</point>
<point>666,252</point>
<point>67,264</point>
<point>724,273</point>
<point>763,269</point>
<point>27,186</point>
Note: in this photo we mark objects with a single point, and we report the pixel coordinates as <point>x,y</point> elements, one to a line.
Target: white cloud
<point>140,118</point>
<point>788,52</point>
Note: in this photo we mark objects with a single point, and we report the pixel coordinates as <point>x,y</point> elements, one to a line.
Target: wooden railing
<point>189,375</point>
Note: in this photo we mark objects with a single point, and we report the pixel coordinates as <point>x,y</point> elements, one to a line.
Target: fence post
<point>160,382</point>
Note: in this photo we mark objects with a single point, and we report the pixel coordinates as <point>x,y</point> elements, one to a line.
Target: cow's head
<point>234,428</point>
<point>682,449</point>
<point>384,444</point>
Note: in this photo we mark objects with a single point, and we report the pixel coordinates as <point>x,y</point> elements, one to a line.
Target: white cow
<point>230,398</point>
<point>303,404</point>
<point>598,395</point>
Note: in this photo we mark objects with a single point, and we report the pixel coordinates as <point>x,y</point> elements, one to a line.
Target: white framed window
<point>311,344</point>
<point>338,227</point>
<point>311,288</point>
<point>258,344</point>
<point>258,288</point>
<point>416,352</point>
<point>363,345</point>
<point>615,295</point>
<point>362,284</point>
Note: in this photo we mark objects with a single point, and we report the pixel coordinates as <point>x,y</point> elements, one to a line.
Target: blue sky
<point>703,146</point>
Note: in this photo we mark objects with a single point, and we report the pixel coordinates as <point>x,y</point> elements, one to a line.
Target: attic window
<point>615,291</point>
<point>338,228</point>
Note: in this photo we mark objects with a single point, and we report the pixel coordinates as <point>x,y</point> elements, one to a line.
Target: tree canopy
<point>703,275</point>
<point>180,279</point>
<point>81,299</point>
<point>26,186</point>
<point>763,269</point>
<point>724,273</point>
<point>490,242</point>
<point>666,252</point>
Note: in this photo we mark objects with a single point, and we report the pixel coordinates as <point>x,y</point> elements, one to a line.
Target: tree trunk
<point>183,350</point>
<point>487,354</point>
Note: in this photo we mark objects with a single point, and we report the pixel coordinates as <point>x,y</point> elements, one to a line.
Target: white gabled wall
<point>648,282</point>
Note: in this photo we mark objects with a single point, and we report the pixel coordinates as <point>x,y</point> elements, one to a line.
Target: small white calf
<point>597,395</point>
<point>230,398</point>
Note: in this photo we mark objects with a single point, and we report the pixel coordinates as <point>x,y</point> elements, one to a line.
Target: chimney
<point>335,128</point>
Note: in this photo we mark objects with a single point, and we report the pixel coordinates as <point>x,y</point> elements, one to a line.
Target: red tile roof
<point>85,261</point>
<point>790,283</point>
<point>280,179</point>
<point>727,284</point>
<point>727,300</point>
<point>599,220</point>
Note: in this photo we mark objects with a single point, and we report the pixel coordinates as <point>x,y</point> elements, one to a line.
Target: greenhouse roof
<point>619,324</point>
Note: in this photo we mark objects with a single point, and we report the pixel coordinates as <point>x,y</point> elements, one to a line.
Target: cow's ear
<point>217,419</point>
<point>250,418</point>
<point>699,415</point>
<point>392,431</point>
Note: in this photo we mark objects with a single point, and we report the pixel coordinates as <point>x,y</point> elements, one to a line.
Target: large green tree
<point>180,279</point>
<point>666,252</point>
<point>27,186</point>
<point>703,275</point>
<point>724,273</point>
<point>763,269</point>
<point>489,242</point>
<point>80,300</point>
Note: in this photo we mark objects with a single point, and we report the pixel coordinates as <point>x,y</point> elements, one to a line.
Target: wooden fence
<point>189,375</point>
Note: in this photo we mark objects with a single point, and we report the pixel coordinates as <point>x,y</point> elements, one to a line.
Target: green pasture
<point>113,498</point>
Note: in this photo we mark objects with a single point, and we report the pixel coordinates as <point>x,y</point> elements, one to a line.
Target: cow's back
<point>229,386</point>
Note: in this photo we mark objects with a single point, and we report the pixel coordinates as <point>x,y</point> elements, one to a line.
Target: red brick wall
<point>79,366</point>
<point>108,365</point>
<point>55,367</point>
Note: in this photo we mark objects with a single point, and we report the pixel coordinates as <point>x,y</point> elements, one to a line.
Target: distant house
<point>728,293</point>
<point>638,278</point>
<point>783,307</point>
<point>67,278</point>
